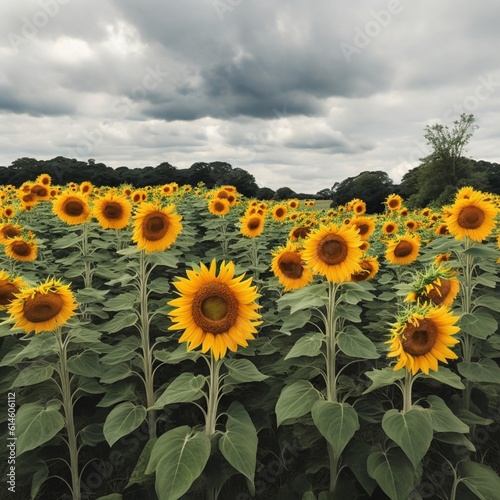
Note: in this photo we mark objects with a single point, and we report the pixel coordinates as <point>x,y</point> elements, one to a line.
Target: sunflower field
<point>178,342</point>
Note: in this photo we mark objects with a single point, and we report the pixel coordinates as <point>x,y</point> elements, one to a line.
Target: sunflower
<point>369,268</point>
<point>112,211</point>
<point>389,227</point>
<point>279,212</point>
<point>333,252</point>
<point>218,206</point>
<point>156,228</point>
<point>44,179</point>
<point>403,250</point>
<point>412,224</point>
<point>442,229</point>
<point>473,217</point>
<point>394,202</point>
<point>422,337</point>
<point>19,249</point>
<point>216,311</point>
<point>8,288</point>
<point>437,285</point>
<point>139,195</point>
<point>358,206</point>
<point>8,212</point>
<point>293,204</point>
<point>43,308</point>
<point>72,208</point>
<point>288,267</point>
<point>364,225</point>
<point>86,187</point>
<point>296,233</point>
<point>252,225</point>
<point>40,191</point>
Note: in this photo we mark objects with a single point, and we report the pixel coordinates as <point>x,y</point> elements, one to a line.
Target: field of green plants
<point>179,342</point>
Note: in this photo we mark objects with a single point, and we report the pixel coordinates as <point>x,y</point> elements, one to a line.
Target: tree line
<point>434,181</point>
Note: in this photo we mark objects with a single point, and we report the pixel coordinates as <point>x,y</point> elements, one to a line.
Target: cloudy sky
<point>300,93</point>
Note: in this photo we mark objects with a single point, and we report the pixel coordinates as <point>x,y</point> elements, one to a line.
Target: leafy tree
<point>284,193</point>
<point>445,169</point>
<point>372,187</point>
<point>265,193</point>
<point>324,194</point>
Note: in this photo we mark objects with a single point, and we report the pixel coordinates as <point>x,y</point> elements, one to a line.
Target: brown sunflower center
<point>219,206</point>
<point>155,226</point>
<point>280,212</point>
<point>11,232</point>
<point>254,223</point>
<point>290,265</point>
<point>393,203</point>
<point>42,307</point>
<point>403,249</point>
<point>21,248</point>
<point>332,249</point>
<point>301,232</point>
<point>73,207</point>
<point>7,291</point>
<point>215,308</point>
<point>113,210</point>
<point>363,228</point>
<point>471,217</point>
<point>364,274</point>
<point>39,190</point>
<point>439,293</point>
<point>419,340</point>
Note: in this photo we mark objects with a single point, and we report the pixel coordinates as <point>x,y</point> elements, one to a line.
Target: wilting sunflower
<point>288,266</point>
<point>43,308</point>
<point>438,285</point>
<point>216,311</point>
<point>279,212</point>
<point>403,250</point>
<point>442,257</point>
<point>473,217</point>
<point>9,286</point>
<point>252,225</point>
<point>218,206</point>
<point>156,228</point>
<point>72,208</point>
<point>364,225</point>
<point>333,252</point>
<point>422,337</point>
<point>20,249</point>
<point>369,268</point>
<point>112,211</point>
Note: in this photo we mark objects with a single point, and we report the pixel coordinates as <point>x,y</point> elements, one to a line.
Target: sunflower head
<point>437,285</point>
<point>218,206</point>
<point>422,336</point>
<point>394,202</point>
<point>403,250</point>
<point>369,268</point>
<point>21,249</point>
<point>389,227</point>
<point>279,212</point>
<point>333,252</point>
<point>156,228</point>
<point>72,208</point>
<point>252,225</point>
<point>43,308</point>
<point>215,309</point>
<point>364,225</point>
<point>112,211</point>
<point>288,266</point>
<point>8,231</point>
<point>472,217</point>
<point>9,287</point>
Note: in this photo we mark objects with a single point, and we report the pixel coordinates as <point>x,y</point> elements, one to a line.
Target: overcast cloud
<point>301,94</point>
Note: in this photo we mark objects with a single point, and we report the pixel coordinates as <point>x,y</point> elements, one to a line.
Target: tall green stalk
<point>147,351</point>
<point>67,402</point>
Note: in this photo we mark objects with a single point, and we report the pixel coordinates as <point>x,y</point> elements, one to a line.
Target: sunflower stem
<point>87,268</point>
<point>67,401</point>
<point>147,352</point>
<point>331,324</point>
<point>407,387</point>
<point>466,295</point>
<point>213,395</point>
